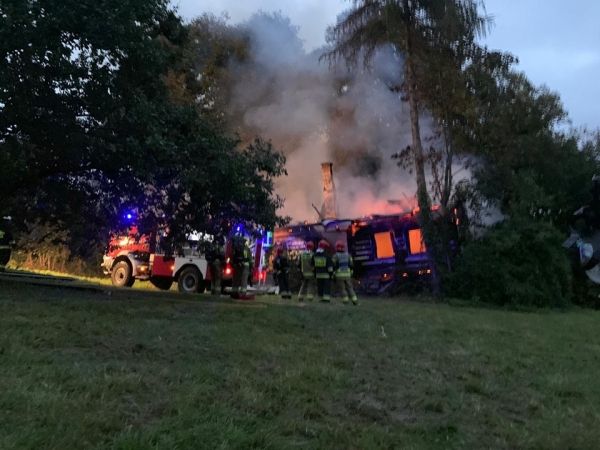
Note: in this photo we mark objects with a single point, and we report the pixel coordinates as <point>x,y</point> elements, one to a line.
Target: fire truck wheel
<point>162,283</point>
<point>121,275</point>
<point>189,280</point>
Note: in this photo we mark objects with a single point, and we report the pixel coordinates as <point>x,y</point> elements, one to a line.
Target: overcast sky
<point>557,41</point>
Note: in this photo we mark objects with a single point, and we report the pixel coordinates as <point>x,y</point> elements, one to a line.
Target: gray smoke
<point>314,114</point>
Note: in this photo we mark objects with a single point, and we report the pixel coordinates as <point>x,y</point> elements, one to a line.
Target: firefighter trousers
<point>346,289</point>
<point>308,288</point>
<point>239,282</point>
<point>215,277</point>
<point>324,289</point>
<point>4,256</point>
<point>283,281</point>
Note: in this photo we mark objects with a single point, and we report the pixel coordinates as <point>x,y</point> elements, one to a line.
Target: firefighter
<point>251,250</point>
<point>323,271</point>
<point>237,263</point>
<point>215,256</point>
<point>247,272</point>
<point>281,267</point>
<point>241,267</point>
<point>305,264</point>
<point>343,267</point>
<point>6,242</point>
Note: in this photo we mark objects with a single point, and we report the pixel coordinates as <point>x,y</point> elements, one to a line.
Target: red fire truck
<point>131,256</point>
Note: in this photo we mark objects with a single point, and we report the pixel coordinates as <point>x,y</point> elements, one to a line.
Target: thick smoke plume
<point>315,114</point>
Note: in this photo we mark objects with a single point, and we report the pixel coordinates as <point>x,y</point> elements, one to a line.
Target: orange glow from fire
<point>365,205</point>
<point>418,208</point>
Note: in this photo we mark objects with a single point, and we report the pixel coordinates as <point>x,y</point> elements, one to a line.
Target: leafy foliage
<point>99,112</point>
<point>518,262</point>
<point>431,36</point>
<point>508,130</point>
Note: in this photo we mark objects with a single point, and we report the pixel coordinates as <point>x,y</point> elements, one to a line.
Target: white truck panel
<point>200,263</point>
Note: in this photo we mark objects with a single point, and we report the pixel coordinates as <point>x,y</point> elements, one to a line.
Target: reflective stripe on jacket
<point>247,257</point>
<point>323,265</point>
<point>306,264</point>
<point>343,265</point>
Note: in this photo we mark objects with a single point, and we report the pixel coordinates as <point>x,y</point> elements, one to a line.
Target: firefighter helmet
<point>323,244</point>
<point>310,245</point>
<point>280,250</point>
<point>339,246</point>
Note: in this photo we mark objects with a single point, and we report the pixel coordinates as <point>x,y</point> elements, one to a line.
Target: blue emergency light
<point>269,239</point>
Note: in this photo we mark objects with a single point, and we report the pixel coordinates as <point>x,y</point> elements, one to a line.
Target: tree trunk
<point>419,159</point>
<point>424,202</point>
<point>448,179</point>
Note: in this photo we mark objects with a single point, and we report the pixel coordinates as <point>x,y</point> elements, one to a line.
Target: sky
<point>557,42</point>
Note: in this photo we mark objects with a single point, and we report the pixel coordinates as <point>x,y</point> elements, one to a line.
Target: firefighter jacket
<point>215,252</point>
<point>323,264</point>
<point>281,265</point>
<point>343,265</point>
<point>248,257</point>
<point>242,256</point>
<point>305,264</point>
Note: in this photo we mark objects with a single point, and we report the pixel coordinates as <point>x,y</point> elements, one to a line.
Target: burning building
<point>387,249</point>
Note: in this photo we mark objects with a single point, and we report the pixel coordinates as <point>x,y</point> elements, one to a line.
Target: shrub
<point>519,262</point>
<point>49,248</point>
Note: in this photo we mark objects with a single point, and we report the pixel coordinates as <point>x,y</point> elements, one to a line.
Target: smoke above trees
<point>314,113</point>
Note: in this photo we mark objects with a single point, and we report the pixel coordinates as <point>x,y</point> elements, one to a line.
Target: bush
<point>516,263</point>
<point>49,248</point>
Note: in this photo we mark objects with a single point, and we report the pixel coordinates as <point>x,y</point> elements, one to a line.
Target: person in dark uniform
<point>215,257</point>
<point>6,244</point>
<point>323,265</point>
<point>281,267</point>
<point>305,264</point>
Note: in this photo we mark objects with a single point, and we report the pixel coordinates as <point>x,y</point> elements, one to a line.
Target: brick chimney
<point>329,206</point>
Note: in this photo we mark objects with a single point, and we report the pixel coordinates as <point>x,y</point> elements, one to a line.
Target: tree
<point>517,263</point>
<point>427,34</point>
<point>520,161</point>
<point>215,47</point>
<point>99,112</point>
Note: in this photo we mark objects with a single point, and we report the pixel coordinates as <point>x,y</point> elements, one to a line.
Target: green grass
<point>86,371</point>
<point>104,281</point>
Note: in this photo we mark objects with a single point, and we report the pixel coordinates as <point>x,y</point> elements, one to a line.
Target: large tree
<point>520,157</point>
<point>428,34</point>
<point>99,111</point>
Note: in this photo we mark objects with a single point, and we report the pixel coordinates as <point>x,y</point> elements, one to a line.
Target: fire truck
<point>131,256</point>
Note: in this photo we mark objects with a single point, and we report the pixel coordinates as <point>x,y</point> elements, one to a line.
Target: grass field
<point>104,281</point>
<point>86,371</point>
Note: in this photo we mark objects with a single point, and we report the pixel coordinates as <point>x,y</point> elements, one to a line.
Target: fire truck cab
<point>131,256</point>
